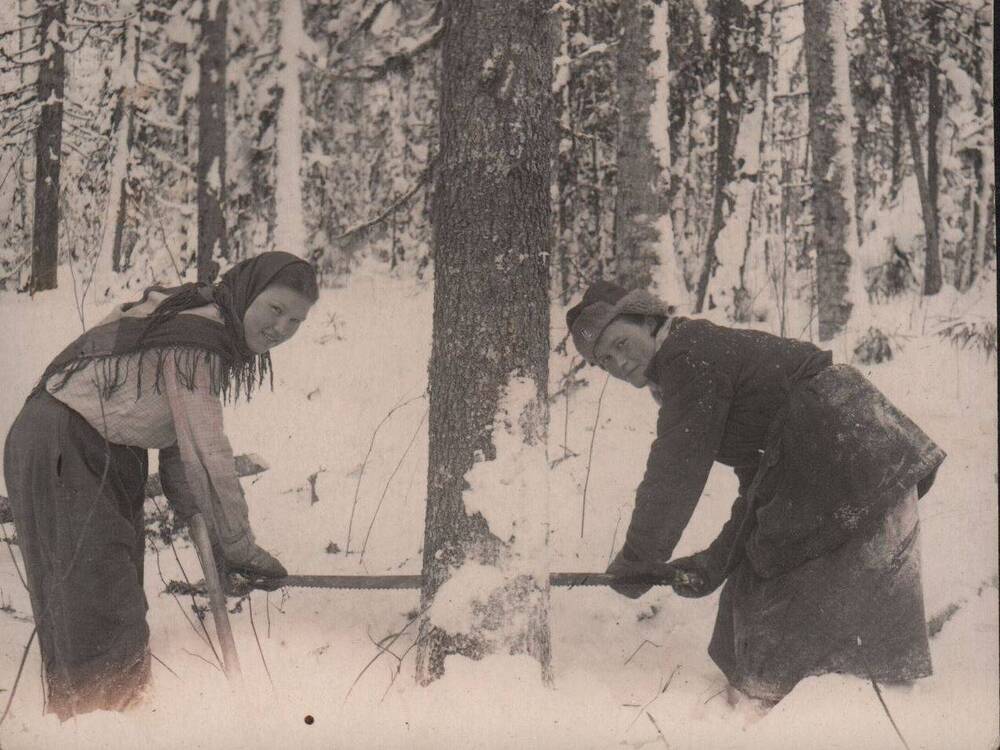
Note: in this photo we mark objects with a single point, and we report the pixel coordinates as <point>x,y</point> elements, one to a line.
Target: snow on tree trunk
<point>290,231</point>
<point>932,264</point>
<point>752,147</point>
<point>565,158</point>
<point>117,214</point>
<point>839,277</point>
<point>728,13</point>
<point>935,110</point>
<point>644,247</point>
<point>987,170</point>
<point>48,145</point>
<point>491,220</point>
<point>212,240</point>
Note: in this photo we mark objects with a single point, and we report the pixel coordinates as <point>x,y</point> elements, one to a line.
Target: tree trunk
<point>830,141</point>
<point>48,145</point>
<point>492,236</point>
<point>726,131</point>
<point>743,297</point>
<point>212,240</point>
<point>289,230</point>
<point>566,156</point>
<point>935,106</point>
<point>643,233</point>
<point>933,258</point>
<point>119,200</point>
<point>896,157</point>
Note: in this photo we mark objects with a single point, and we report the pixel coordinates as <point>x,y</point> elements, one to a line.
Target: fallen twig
<point>164,665</point>
<point>313,497</point>
<point>364,545</point>
<point>267,612</point>
<point>17,678</point>
<point>364,463</point>
<point>614,536</point>
<point>167,589</point>
<point>590,454</point>
<point>657,727</point>
<point>260,650</point>
<point>13,558</point>
<point>383,649</point>
<point>662,689</point>
<point>878,693</point>
<point>644,642</point>
<point>399,666</point>
<point>194,604</point>
<point>199,656</point>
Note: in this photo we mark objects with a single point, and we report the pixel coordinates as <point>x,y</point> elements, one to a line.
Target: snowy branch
<point>365,24</point>
<point>82,20</point>
<point>10,32</point>
<point>402,200</point>
<point>399,60</point>
<point>11,57</point>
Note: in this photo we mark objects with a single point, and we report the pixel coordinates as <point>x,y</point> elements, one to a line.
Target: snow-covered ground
<point>632,673</point>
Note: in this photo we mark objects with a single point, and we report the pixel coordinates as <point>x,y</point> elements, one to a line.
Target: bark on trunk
<point>492,236</point>
<point>833,233</point>
<point>896,158</point>
<point>762,77</point>
<point>642,200</point>
<point>566,157</point>
<point>726,131</point>
<point>126,100</point>
<point>935,108</point>
<point>212,239</point>
<point>48,146</point>
<point>289,230</point>
<point>932,266</point>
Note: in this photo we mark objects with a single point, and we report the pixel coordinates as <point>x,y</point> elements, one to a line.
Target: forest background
<point>822,170</point>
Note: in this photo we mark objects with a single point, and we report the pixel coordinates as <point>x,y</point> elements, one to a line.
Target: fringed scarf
<point>190,339</point>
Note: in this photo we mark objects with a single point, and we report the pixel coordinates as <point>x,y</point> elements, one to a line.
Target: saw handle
<point>216,598</point>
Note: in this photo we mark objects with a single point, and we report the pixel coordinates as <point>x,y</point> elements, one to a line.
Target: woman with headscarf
<point>151,375</point>
<point>820,556</point>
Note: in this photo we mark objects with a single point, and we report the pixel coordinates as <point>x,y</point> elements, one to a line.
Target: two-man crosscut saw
<point>669,577</point>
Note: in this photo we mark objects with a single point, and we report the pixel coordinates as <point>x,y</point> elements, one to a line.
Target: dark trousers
<point>77,502</point>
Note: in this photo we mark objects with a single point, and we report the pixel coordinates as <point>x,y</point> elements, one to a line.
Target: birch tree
<point>124,128</point>
<point>644,249</point>
<point>926,186</point>
<point>289,232</point>
<point>839,282</point>
<point>489,356</point>
<point>211,186</point>
<point>48,144</point>
<point>728,14</point>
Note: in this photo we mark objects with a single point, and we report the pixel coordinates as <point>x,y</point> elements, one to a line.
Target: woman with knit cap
<point>820,557</point>
<point>151,375</point>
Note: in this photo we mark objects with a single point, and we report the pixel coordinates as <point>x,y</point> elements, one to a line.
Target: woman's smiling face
<point>273,317</point>
<point>626,348</point>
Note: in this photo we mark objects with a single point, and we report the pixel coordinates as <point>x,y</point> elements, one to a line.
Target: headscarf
<point>191,340</point>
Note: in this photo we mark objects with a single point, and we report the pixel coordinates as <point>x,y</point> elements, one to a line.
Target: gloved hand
<point>259,565</point>
<point>698,575</point>
<point>627,563</point>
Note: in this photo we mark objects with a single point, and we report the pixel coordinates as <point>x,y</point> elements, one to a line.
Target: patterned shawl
<point>189,339</point>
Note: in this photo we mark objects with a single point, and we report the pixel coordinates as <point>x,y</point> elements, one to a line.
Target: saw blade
<point>669,577</point>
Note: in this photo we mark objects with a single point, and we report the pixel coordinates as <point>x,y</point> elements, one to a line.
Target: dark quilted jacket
<point>819,451</point>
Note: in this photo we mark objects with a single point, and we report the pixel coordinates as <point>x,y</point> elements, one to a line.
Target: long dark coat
<point>822,549</point>
<point>819,451</point>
